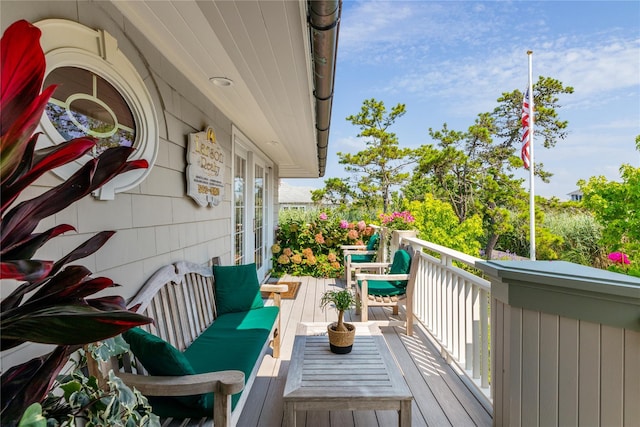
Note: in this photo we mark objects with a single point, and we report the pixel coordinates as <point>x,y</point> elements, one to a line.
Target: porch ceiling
<point>263,46</point>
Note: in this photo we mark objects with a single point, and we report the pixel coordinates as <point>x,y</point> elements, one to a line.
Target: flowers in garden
<point>398,220</point>
<point>619,258</point>
<point>313,248</point>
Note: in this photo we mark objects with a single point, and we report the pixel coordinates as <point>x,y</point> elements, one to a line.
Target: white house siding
<point>156,222</point>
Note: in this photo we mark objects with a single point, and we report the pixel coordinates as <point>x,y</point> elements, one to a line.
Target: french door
<point>253,207</point>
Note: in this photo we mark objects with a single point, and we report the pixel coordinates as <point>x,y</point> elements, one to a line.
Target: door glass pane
<point>258,221</point>
<point>239,197</point>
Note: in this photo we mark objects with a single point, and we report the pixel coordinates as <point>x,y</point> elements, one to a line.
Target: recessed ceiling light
<point>221,81</point>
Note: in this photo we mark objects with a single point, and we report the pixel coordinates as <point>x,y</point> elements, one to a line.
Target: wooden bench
<point>181,299</point>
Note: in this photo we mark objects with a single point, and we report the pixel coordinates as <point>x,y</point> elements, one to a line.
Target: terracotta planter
<point>341,342</point>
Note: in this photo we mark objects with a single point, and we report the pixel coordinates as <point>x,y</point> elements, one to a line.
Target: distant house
<point>576,196</point>
<point>291,197</point>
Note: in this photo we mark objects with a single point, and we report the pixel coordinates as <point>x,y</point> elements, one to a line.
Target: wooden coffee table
<point>368,378</point>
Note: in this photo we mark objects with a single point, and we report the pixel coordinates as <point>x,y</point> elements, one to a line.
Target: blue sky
<point>448,61</point>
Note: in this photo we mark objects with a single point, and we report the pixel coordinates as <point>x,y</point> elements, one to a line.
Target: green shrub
<point>580,233</point>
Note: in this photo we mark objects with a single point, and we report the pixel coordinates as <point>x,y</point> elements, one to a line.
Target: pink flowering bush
<point>619,258</point>
<point>313,248</point>
<point>398,220</point>
<point>620,263</point>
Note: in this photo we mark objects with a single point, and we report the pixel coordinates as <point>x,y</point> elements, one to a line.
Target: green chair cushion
<point>385,287</point>
<point>237,288</point>
<point>362,258</point>
<point>160,358</point>
<point>372,244</point>
<point>401,262</point>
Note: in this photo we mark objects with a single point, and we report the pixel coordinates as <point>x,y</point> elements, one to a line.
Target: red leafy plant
<point>51,305</point>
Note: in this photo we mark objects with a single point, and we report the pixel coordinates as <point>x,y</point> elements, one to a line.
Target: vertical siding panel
<point>589,371</point>
<point>531,360</point>
<point>514,370</point>
<point>568,373</point>
<point>631,378</point>
<point>612,383</point>
<point>549,325</point>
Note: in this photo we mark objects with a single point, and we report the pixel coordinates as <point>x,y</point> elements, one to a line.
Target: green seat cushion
<point>233,342</point>
<point>237,288</point>
<point>362,258</point>
<point>262,319</point>
<point>385,287</point>
<point>372,244</point>
<point>160,358</point>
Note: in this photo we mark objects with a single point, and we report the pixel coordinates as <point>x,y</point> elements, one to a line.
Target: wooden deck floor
<point>440,397</point>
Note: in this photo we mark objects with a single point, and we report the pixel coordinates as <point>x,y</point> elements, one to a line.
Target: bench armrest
<point>225,382</point>
<point>274,287</point>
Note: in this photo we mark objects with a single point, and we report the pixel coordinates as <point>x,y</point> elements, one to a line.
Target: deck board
<point>440,397</point>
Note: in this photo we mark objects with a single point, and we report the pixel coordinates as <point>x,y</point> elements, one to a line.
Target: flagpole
<point>532,208</point>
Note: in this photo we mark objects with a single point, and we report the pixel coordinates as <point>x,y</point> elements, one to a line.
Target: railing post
<point>562,336</point>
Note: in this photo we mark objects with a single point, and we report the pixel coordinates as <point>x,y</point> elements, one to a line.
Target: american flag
<point>526,137</point>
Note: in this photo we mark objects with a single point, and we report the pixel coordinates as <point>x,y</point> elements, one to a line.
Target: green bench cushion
<point>233,342</point>
<point>237,288</point>
<point>160,358</point>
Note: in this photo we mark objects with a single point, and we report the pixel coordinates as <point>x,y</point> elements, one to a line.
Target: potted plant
<point>341,334</point>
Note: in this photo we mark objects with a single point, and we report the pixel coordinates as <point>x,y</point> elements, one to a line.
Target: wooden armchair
<point>392,286</point>
<point>358,254</point>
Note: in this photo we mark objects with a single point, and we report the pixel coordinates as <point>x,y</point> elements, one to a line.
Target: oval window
<point>85,104</point>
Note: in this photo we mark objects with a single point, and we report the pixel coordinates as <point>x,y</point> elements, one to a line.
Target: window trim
<point>70,44</point>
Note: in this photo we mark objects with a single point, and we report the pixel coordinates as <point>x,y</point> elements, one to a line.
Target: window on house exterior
<point>85,104</point>
<point>99,93</point>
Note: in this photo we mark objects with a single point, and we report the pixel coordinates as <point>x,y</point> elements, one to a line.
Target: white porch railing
<point>453,305</point>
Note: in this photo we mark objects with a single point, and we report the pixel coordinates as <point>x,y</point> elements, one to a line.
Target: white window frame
<point>70,44</point>
<point>253,155</point>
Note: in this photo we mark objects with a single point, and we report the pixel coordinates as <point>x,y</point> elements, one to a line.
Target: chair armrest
<point>369,265</point>
<point>359,252</point>
<point>365,276</point>
<point>353,247</point>
<point>274,287</point>
<point>225,382</point>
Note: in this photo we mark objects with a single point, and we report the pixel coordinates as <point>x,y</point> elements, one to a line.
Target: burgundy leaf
<point>28,270</point>
<point>84,289</point>
<point>27,248</point>
<point>30,382</point>
<point>13,141</point>
<point>43,161</point>
<point>70,324</point>
<point>20,221</point>
<point>108,303</point>
<point>84,250</point>
<point>23,66</point>
<point>66,279</point>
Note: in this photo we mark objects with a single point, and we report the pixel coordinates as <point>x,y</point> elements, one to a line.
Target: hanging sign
<point>205,168</point>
